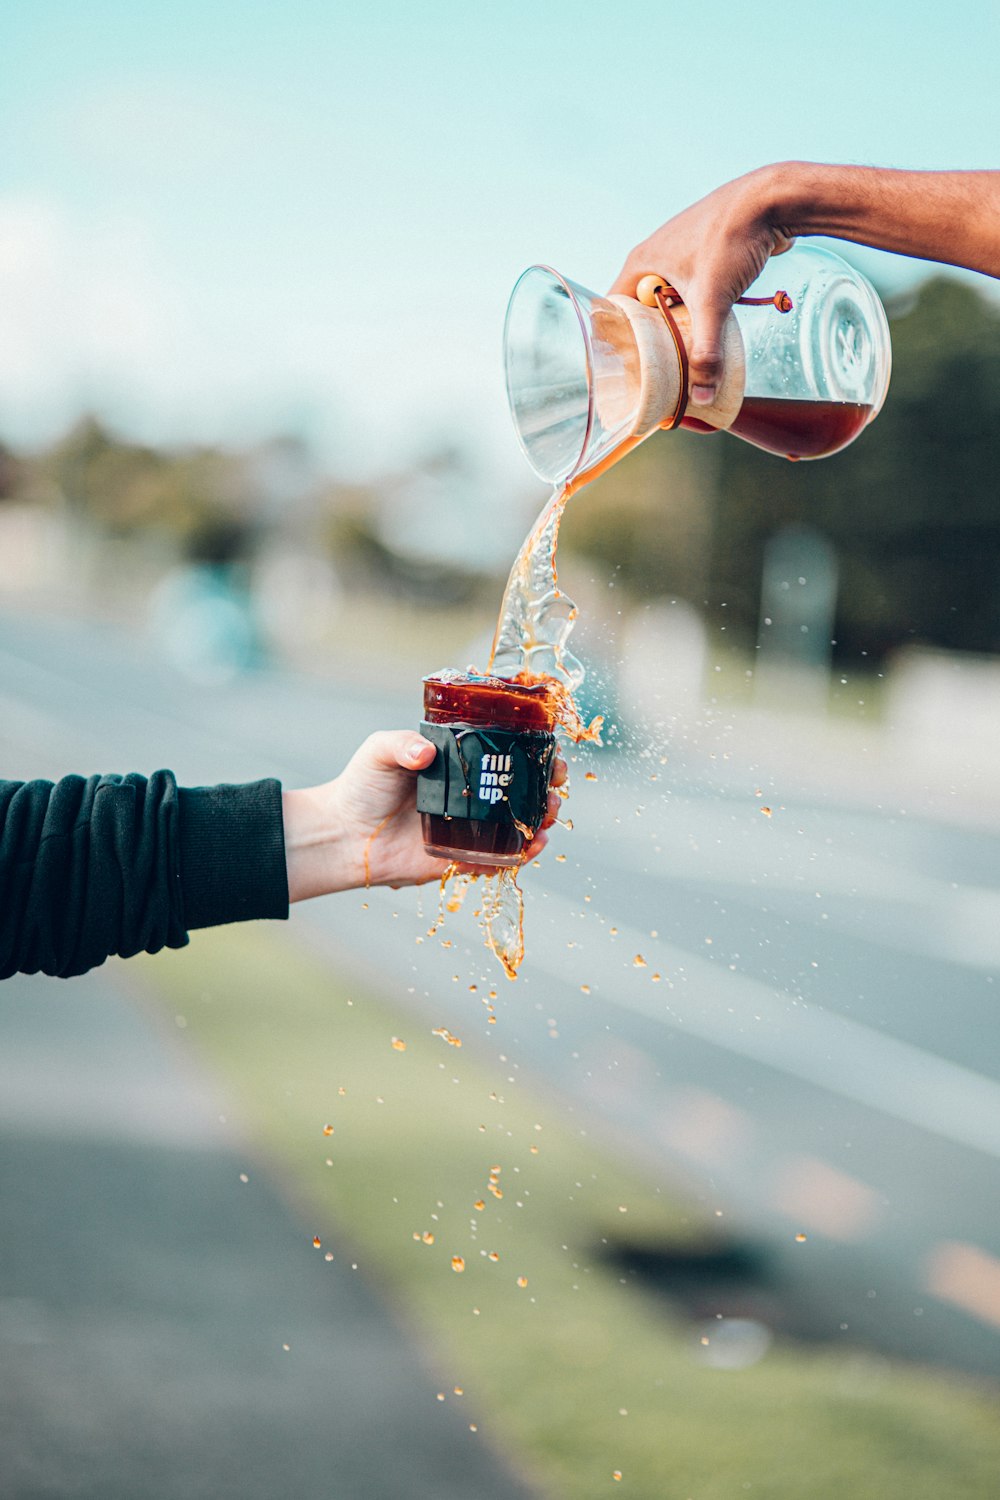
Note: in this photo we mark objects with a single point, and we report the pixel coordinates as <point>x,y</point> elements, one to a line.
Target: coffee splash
<point>530,646</point>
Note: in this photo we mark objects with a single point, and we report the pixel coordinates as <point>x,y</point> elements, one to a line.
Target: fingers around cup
<point>537,844</point>
<point>552,809</point>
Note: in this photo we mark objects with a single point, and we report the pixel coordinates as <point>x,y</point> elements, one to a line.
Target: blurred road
<point>164,1331</point>
<point>810,1040</point>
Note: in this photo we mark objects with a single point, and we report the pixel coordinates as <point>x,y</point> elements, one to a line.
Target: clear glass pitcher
<point>807,362</point>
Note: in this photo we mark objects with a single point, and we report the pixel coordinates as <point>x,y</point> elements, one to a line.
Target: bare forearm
<point>953,217</point>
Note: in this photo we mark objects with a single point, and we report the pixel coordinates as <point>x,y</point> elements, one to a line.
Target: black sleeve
<point>119,864</point>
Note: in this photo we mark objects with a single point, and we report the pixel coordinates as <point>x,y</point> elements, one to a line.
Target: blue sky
<point>222,219</point>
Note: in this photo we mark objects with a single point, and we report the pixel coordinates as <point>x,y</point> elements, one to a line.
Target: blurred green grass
<point>548,1368</point>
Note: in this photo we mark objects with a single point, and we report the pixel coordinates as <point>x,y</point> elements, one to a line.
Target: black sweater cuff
<point>232,854</point>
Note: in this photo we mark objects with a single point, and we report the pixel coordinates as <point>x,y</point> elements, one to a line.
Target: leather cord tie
<point>781,301</point>
<point>666,298</point>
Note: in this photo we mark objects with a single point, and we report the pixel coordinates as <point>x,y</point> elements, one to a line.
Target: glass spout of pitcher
<point>806,353</point>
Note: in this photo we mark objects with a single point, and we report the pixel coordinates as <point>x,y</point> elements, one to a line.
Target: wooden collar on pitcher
<point>666,298</point>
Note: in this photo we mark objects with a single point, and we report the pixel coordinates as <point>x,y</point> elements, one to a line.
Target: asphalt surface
<point>165,1328</point>
<point>819,1056</point>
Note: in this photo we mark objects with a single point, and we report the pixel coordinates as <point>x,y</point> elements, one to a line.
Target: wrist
<point>320,857</point>
<point>786,195</point>
<point>806,197</point>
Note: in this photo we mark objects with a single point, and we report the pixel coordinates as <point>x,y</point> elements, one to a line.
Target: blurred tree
<point>11,474</point>
<point>375,551</point>
<point>650,517</point>
<point>126,488</point>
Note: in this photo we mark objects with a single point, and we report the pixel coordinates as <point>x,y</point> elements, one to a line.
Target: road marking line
<point>818,1046</point>
<point>958,924</point>
<point>966,1277</point>
<point>703,1127</point>
<point>824,1199</point>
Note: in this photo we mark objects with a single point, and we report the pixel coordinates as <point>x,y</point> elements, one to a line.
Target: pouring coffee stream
<point>589,378</point>
<point>484,797</point>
